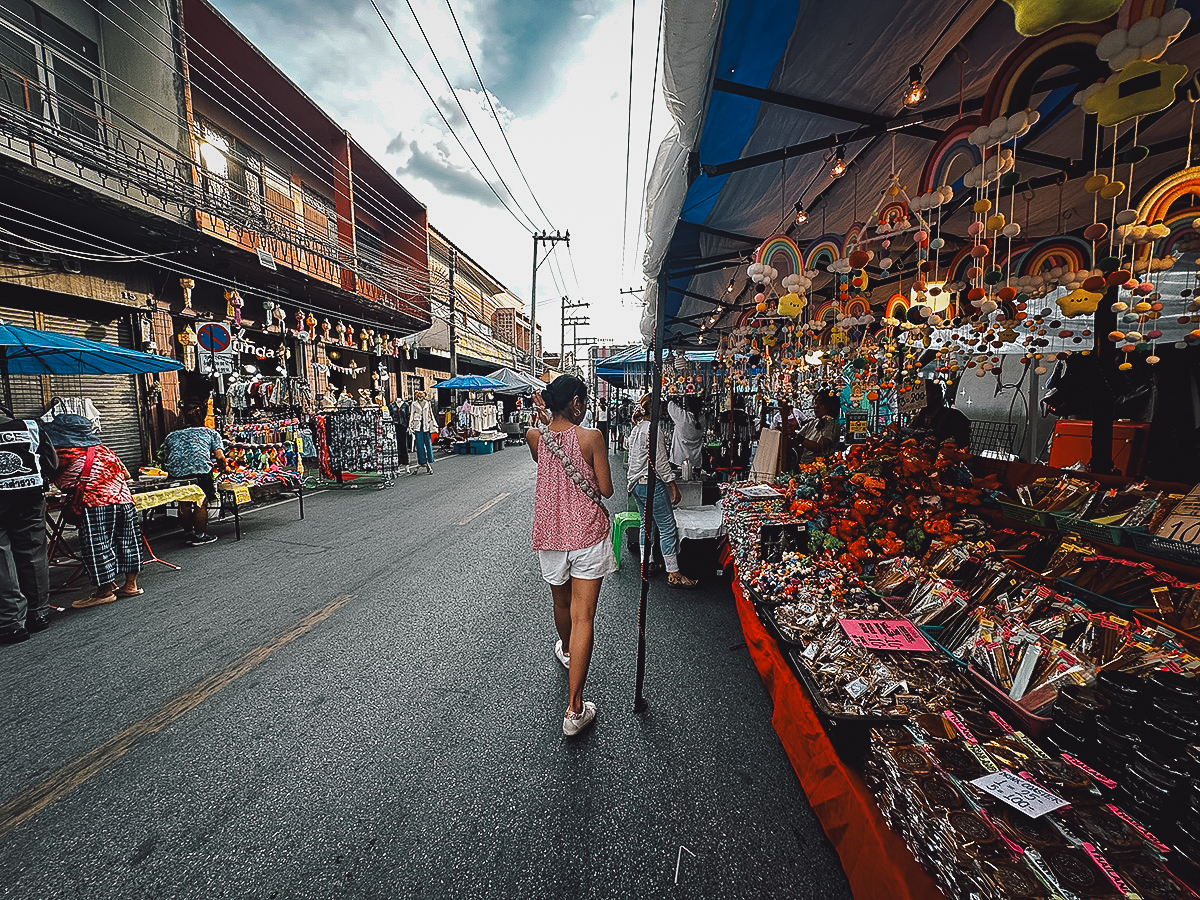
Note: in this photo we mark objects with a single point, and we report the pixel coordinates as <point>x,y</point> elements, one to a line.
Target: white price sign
<point>1023,796</point>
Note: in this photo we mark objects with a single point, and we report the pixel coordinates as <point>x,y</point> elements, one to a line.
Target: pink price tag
<point>1000,721</point>
<point>1140,829</point>
<point>1087,770</point>
<point>960,726</point>
<point>1108,870</point>
<point>884,634</point>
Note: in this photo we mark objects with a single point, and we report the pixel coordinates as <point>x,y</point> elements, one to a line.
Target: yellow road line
<point>33,801</point>
<point>485,507</point>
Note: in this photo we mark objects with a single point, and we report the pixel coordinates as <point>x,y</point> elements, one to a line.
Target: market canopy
<point>471,383</point>
<point>630,369</point>
<point>28,351</point>
<point>515,382</point>
<point>765,95</point>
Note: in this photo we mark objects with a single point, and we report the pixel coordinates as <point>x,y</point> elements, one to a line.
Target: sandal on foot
<point>85,602</point>
<point>679,580</point>
<point>137,592</point>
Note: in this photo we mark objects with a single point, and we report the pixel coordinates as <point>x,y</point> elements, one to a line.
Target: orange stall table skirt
<point>877,863</point>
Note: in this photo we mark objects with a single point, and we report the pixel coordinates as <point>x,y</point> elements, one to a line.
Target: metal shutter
<point>115,396</point>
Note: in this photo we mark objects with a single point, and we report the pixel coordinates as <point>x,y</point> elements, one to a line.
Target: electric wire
<point>407,221</point>
<point>629,132</point>
<point>235,95</point>
<point>487,96</point>
<point>466,117</point>
<point>531,229</point>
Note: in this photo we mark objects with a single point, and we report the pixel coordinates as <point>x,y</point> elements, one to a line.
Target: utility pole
<point>564,321</point>
<point>544,237</point>
<point>453,315</point>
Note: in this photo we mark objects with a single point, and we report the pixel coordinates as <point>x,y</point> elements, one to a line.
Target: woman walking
<point>110,535</point>
<point>571,529</point>
<point>664,515</point>
<point>422,421</point>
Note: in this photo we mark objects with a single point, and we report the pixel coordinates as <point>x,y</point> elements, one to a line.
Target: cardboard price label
<point>884,634</point>
<point>1021,795</point>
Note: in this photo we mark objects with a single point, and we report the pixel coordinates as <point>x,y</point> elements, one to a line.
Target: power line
<point>629,130</point>
<point>458,103</point>
<point>232,94</point>
<point>662,10</point>
<point>442,115</point>
<point>487,96</point>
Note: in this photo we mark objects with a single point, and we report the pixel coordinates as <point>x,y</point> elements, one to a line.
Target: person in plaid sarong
<point>110,534</point>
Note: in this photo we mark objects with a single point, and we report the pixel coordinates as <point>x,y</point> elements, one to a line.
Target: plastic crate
<point>1153,617</point>
<point>1068,523</point>
<point>1027,514</point>
<point>1098,602</point>
<point>1175,551</point>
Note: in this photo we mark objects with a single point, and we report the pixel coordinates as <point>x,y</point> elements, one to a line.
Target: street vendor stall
<point>991,207</point>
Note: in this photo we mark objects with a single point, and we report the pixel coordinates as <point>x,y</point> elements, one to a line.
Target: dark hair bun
<point>562,391</point>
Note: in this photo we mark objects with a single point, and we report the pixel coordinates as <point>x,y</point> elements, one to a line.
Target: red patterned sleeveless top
<point>564,517</point>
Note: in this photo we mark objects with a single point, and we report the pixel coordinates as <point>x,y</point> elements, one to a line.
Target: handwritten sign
<point>1183,523</point>
<point>884,634</point>
<point>1023,796</point>
<point>913,399</point>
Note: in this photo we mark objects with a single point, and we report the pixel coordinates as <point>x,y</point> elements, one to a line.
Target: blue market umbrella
<point>471,383</point>
<point>28,351</point>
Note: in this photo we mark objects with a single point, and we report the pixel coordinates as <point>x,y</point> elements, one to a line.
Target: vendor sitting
<point>944,422</point>
<point>190,452</point>
<point>819,435</point>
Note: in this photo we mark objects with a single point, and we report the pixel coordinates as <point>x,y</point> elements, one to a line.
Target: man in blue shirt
<point>191,452</point>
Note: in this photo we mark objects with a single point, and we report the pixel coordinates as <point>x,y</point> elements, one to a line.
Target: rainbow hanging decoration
<point>769,251</point>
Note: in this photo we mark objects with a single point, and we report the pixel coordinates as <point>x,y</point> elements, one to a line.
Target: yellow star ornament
<point>1079,302</point>
<point>1035,17</point>
<point>790,305</point>
<point>1139,89</point>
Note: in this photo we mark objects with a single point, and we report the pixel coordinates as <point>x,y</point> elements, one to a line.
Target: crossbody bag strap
<point>573,473</point>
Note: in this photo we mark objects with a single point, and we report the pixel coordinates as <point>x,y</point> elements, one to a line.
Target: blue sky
<point>558,74</point>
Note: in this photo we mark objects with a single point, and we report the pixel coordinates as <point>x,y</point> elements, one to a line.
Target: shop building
<point>490,331</point>
<point>157,173</point>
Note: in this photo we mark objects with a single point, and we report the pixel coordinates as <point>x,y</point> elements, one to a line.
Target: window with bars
<point>231,170</point>
<point>50,70</point>
<point>320,218</point>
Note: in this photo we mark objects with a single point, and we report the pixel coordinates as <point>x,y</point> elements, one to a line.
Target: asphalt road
<point>366,704</point>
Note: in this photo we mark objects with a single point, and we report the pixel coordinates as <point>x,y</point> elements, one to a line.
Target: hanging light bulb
<point>801,214</point>
<point>729,290</point>
<point>839,163</point>
<point>916,87</point>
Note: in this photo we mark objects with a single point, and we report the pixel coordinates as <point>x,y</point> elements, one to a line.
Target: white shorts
<point>588,564</point>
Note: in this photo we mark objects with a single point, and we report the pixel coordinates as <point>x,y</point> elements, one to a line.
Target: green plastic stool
<point>622,522</point>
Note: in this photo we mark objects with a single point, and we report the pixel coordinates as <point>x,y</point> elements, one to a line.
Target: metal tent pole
<point>639,700</point>
<point>8,404</point>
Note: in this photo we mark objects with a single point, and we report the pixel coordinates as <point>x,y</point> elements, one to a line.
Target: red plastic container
<point>1073,444</point>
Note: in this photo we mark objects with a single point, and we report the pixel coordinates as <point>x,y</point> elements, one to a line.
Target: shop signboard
<point>214,349</point>
<point>857,426</point>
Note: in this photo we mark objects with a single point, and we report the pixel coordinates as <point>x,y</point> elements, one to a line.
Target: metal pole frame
<point>639,699</point>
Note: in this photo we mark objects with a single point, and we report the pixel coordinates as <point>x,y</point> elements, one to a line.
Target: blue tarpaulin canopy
<point>629,369</point>
<point>28,351</point>
<point>471,383</point>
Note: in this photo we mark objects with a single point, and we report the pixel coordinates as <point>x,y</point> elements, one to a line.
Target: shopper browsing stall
<point>422,422</point>
<point>687,441</point>
<point>110,534</point>
<point>192,452</point>
<point>666,492</point>
<point>944,422</point>
<point>571,530</point>
<point>24,571</point>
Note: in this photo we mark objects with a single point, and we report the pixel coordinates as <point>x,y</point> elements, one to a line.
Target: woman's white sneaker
<point>564,658</point>
<point>573,723</point>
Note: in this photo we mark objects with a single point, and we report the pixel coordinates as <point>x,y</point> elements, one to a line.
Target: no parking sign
<point>214,349</point>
